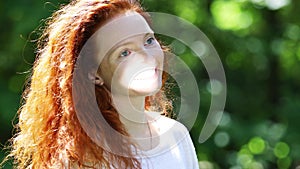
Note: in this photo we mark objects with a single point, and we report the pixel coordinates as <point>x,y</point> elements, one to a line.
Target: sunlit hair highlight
<point>49,134</point>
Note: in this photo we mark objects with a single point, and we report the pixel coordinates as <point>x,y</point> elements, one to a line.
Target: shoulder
<point>167,125</point>
<point>175,144</point>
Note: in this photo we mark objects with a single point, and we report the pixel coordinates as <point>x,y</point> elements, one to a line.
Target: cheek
<point>123,73</point>
<point>159,56</point>
<point>104,73</point>
<point>108,73</point>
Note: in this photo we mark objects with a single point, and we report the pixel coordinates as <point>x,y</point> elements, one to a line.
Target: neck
<point>131,109</point>
<point>133,116</point>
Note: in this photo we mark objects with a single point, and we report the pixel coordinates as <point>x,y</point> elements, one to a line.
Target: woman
<point>58,125</point>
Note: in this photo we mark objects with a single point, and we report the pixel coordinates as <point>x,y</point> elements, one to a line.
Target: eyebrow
<point>124,44</point>
<point>147,34</point>
<point>130,42</point>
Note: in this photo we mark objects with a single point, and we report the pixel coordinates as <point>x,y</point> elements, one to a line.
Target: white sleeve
<point>175,150</point>
<point>189,150</point>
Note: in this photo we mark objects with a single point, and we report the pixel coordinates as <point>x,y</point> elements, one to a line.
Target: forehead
<point>120,28</point>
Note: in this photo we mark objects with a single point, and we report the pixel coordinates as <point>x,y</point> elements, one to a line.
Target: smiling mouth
<point>147,74</point>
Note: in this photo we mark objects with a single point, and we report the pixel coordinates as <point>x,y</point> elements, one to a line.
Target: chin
<point>146,89</point>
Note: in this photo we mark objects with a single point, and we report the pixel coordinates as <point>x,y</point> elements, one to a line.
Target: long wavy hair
<point>49,134</point>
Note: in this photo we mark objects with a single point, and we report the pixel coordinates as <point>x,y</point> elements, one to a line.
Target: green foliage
<point>258,43</point>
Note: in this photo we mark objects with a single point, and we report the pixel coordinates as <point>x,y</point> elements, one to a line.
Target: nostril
<point>106,1</point>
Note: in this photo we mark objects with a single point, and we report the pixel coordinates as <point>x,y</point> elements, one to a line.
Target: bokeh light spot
<point>186,10</point>
<point>284,163</point>
<point>244,159</point>
<point>206,165</point>
<point>256,165</point>
<point>226,120</point>
<point>222,139</point>
<point>201,48</point>
<point>254,45</point>
<point>256,145</point>
<point>214,87</point>
<point>229,15</point>
<point>281,150</point>
<point>293,32</point>
<point>276,131</point>
<point>276,4</point>
<point>177,47</point>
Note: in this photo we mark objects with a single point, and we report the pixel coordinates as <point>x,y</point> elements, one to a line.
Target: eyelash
<point>152,41</point>
<point>123,51</point>
<point>128,52</point>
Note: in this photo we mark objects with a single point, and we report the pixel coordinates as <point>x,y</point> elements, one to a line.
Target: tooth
<point>146,74</point>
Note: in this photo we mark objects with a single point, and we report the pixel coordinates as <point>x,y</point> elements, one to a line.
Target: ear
<point>96,79</point>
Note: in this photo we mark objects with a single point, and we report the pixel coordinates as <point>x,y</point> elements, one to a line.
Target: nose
<point>146,55</point>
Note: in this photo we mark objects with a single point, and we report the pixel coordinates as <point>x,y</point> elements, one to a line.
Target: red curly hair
<point>49,134</point>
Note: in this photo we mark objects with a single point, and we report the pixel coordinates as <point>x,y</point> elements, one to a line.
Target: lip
<point>147,74</point>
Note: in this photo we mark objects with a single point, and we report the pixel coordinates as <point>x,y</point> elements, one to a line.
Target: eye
<point>125,53</point>
<point>149,41</point>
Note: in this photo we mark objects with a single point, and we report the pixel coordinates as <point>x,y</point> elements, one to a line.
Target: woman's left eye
<point>149,41</point>
<point>125,53</point>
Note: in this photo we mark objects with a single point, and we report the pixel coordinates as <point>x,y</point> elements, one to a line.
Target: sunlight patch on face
<point>145,75</point>
<point>146,81</point>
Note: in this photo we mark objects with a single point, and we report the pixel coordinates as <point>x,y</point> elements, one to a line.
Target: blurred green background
<point>258,43</point>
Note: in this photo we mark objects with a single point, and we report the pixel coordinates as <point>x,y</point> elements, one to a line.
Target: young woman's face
<point>134,65</point>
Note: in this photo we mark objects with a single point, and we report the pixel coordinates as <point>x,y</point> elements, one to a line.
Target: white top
<point>175,150</point>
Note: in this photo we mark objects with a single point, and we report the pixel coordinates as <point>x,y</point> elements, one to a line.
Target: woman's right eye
<point>125,53</point>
